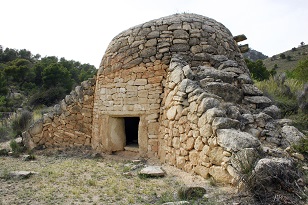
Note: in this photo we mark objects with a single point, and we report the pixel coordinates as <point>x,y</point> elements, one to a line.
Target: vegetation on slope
<point>287,60</point>
<point>254,55</point>
<point>29,80</point>
<point>30,83</point>
<point>286,86</point>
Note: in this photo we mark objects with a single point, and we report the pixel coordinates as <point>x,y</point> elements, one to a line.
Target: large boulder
<point>226,91</point>
<point>290,135</point>
<point>236,140</point>
<point>243,161</point>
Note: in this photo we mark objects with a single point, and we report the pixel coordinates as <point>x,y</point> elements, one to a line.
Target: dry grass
<point>82,179</point>
<point>79,181</point>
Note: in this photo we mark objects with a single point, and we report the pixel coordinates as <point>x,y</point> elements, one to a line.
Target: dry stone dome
<point>194,36</point>
<point>176,88</point>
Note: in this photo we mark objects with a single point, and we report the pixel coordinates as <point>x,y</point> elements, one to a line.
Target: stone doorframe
<point>113,132</point>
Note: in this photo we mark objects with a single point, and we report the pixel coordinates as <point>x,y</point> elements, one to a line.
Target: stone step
<point>132,148</point>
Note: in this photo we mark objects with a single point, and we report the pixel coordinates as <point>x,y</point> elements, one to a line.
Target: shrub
<point>283,56</point>
<point>289,58</point>
<point>16,148</point>
<point>190,193</point>
<point>4,152</point>
<point>4,133</point>
<point>302,146</point>
<point>273,181</point>
<point>21,122</point>
<point>300,121</point>
<point>300,72</point>
<point>258,70</point>
<point>282,92</point>
<point>303,99</point>
<point>48,97</point>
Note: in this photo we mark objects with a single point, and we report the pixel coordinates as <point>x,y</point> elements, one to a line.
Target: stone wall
<point>215,122</point>
<point>69,123</point>
<point>134,92</point>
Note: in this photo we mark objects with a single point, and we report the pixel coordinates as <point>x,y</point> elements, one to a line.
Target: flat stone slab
<point>153,171</point>
<point>176,203</point>
<point>21,174</point>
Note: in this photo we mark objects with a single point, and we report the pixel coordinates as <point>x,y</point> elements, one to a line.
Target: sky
<point>81,30</point>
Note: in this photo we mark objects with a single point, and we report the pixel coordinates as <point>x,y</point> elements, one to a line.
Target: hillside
<point>286,60</point>
<point>28,80</point>
<point>254,55</point>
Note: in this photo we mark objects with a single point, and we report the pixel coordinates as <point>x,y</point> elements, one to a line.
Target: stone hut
<point>176,88</point>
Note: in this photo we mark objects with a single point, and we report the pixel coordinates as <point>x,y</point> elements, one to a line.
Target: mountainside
<point>287,60</point>
<point>254,55</point>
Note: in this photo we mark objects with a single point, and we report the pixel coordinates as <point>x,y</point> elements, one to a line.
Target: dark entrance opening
<point>131,130</point>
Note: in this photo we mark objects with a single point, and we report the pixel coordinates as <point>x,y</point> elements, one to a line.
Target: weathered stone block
<point>179,47</point>
<point>202,171</point>
<point>226,91</point>
<point>190,143</point>
<point>220,174</point>
<point>140,82</point>
<point>236,140</point>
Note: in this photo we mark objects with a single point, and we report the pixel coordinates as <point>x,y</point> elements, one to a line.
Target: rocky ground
<point>81,177</point>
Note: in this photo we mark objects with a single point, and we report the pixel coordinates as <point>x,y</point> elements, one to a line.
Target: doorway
<point>131,131</point>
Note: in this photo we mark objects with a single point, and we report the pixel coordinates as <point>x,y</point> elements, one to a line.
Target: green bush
<point>48,97</point>
<point>300,72</point>
<point>283,56</point>
<point>282,92</point>
<point>258,70</point>
<point>300,121</point>
<point>4,133</point>
<point>16,148</point>
<point>302,146</point>
<point>289,58</point>
<point>21,122</point>
<point>191,193</point>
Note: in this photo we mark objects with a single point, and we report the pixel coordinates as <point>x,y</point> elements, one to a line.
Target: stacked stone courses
<point>184,78</point>
<point>69,124</point>
<point>194,36</point>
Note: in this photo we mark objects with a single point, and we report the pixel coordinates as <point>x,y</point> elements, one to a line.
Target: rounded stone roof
<point>193,36</point>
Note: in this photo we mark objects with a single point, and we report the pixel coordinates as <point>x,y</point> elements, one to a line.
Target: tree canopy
<point>34,76</point>
<point>258,70</point>
<point>300,72</point>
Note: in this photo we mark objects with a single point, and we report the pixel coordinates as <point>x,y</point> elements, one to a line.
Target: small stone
<point>176,203</point>
<point>21,174</point>
<point>298,156</point>
<point>127,174</point>
<point>136,161</point>
<point>152,171</point>
<point>28,157</point>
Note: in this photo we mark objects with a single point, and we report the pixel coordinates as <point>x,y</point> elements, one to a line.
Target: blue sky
<point>82,29</point>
